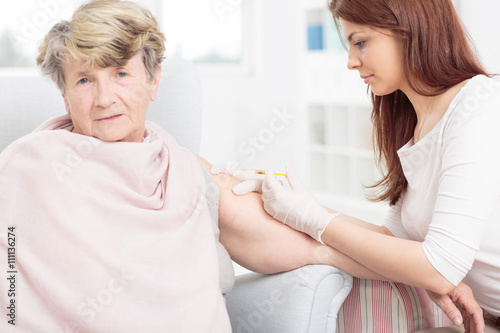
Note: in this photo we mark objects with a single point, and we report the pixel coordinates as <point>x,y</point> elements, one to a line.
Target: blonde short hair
<point>103,33</point>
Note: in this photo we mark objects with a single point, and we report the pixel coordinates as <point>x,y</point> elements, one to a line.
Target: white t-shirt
<point>452,202</point>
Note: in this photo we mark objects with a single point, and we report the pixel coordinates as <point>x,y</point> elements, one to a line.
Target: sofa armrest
<point>303,300</point>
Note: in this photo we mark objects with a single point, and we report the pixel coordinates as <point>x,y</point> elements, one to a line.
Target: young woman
<point>435,116</point>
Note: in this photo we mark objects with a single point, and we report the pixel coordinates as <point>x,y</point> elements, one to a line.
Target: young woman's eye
<point>122,74</point>
<point>83,81</point>
<point>360,43</point>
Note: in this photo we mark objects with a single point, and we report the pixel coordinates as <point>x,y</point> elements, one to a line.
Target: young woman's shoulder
<point>479,97</point>
<point>480,89</point>
<point>474,113</point>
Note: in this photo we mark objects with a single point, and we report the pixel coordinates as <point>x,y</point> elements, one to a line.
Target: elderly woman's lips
<point>112,118</point>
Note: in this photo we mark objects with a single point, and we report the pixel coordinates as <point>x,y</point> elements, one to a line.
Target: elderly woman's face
<point>109,103</point>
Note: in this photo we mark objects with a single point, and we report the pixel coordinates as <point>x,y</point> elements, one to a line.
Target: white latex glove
<point>296,207</point>
<point>249,182</point>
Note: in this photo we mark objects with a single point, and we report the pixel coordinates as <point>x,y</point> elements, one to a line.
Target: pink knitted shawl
<point>105,237</point>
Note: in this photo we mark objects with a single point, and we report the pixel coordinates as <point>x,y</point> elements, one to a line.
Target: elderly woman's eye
<point>83,81</point>
<point>122,74</point>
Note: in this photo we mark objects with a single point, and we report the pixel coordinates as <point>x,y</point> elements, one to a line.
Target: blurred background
<point>275,83</point>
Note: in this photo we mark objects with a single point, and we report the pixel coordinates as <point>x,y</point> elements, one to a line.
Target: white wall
<point>481,20</point>
<point>241,106</point>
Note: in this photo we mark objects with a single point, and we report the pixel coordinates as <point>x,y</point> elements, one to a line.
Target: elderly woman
<point>114,221</point>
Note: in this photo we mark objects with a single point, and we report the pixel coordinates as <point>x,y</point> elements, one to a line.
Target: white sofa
<point>303,300</point>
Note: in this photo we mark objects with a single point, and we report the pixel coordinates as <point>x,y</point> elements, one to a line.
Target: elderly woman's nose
<point>104,94</point>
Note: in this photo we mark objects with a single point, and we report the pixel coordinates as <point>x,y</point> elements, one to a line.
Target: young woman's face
<point>377,55</point>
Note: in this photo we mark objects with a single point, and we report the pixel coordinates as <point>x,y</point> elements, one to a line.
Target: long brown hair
<point>438,54</point>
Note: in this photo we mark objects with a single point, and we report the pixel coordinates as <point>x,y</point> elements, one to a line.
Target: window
<point>24,23</point>
<point>208,32</point>
<point>204,31</point>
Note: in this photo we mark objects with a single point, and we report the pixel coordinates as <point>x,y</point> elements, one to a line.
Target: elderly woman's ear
<point>66,103</point>
<point>156,83</point>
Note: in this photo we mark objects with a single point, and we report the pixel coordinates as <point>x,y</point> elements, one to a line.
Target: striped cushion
<point>379,307</point>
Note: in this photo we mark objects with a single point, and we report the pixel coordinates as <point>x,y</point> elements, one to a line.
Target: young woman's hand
<point>295,206</point>
<point>248,182</point>
<point>468,312</point>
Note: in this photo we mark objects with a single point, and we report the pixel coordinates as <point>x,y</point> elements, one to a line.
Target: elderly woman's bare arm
<point>257,241</point>
<point>260,243</point>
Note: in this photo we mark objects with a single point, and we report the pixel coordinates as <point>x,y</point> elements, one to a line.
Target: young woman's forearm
<point>362,224</point>
<point>397,259</point>
<point>347,264</point>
